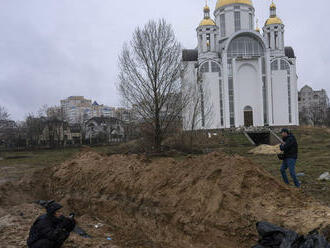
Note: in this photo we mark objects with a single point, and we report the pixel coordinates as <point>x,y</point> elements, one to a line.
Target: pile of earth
<point>213,200</point>
<point>266,150</point>
<point>15,223</point>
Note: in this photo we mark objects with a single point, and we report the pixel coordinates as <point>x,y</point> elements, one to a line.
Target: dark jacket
<point>51,228</point>
<point>290,148</point>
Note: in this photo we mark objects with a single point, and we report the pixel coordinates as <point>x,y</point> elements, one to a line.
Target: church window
<point>243,46</point>
<point>208,40</point>
<point>237,21</point>
<point>276,42</point>
<point>223,25</point>
<point>237,7</point>
<point>215,67</point>
<point>208,29</point>
<point>268,40</point>
<point>285,66</point>
<point>265,103</point>
<point>221,102</point>
<point>250,21</point>
<point>264,91</point>
<point>274,65</point>
<point>205,67</point>
<point>202,103</point>
<point>231,102</point>
<point>263,66</point>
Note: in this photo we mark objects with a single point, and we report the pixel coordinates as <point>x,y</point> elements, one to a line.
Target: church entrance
<point>248,116</point>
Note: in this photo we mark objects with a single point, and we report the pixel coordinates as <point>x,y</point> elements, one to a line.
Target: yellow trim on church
<point>222,3</point>
<point>207,22</point>
<point>274,20</point>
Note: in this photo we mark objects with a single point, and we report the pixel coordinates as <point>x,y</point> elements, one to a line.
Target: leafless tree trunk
<point>198,113</point>
<point>150,67</point>
<point>4,115</point>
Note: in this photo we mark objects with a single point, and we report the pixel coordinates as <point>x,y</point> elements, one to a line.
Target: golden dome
<point>221,3</point>
<point>207,22</point>
<point>258,30</point>
<point>206,8</point>
<point>273,20</point>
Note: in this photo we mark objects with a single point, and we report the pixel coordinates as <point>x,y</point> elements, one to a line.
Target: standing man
<point>290,150</point>
<point>52,229</point>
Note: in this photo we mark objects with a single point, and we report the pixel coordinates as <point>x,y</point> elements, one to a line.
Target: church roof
<point>207,22</point>
<point>273,20</point>
<point>289,52</point>
<point>221,3</point>
<point>189,55</point>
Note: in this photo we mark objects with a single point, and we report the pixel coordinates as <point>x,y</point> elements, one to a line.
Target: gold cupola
<point>273,19</point>
<point>222,3</point>
<point>207,21</point>
<point>257,26</point>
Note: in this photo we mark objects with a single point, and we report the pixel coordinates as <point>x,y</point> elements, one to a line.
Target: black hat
<point>285,130</point>
<point>52,207</point>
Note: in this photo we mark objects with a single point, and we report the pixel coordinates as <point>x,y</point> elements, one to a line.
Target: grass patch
<point>314,158</point>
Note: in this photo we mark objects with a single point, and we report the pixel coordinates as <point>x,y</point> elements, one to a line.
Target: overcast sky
<point>52,49</point>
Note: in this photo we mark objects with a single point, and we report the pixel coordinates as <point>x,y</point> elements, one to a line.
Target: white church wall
<point>294,93</point>
<point>189,84</point>
<point>211,100</point>
<point>248,91</point>
<point>280,98</point>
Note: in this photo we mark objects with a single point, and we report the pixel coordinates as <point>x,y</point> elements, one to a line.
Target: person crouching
<point>51,229</point>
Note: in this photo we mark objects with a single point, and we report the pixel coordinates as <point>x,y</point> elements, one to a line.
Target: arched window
<point>248,108</point>
<point>274,65</point>
<point>245,46</point>
<point>285,65</point>
<point>205,67</point>
<point>215,67</point>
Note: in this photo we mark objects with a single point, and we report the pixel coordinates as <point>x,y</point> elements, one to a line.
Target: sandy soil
<point>213,200</point>
<point>266,150</point>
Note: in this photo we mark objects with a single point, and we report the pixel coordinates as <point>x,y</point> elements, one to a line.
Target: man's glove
<point>67,223</point>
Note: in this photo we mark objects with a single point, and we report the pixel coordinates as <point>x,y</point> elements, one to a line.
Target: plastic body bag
<point>272,236</point>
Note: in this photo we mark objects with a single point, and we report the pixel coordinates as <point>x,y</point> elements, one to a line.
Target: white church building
<point>243,76</point>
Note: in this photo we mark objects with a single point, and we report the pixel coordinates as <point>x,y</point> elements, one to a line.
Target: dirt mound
<point>206,201</point>
<point>266,150</point>
<point>16,222</point>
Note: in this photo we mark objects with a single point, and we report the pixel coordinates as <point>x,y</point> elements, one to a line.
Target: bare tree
<point>198,113</point>
<point>150,67</point>
<point>318,114</point>
<point>4,115</point>
<point>328,117</point>
<point>34,127</point>
<point>304,117</point>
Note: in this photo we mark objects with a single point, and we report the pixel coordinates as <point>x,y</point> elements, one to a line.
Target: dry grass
<point>314,157</point>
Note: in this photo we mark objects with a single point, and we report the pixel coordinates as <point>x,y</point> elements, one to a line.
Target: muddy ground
<point>212,200</point>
